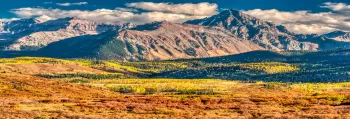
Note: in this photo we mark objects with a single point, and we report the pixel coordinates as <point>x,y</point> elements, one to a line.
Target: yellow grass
<point>270,67</point>
<point>178,86</point>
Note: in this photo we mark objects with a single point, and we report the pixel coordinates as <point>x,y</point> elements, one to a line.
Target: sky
<point>299,16</point>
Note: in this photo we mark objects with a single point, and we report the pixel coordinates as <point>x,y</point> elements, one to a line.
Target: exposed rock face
<point>31,34</point>
<point>266,34</point>
<point>229,32</point>
<point>154,41</point>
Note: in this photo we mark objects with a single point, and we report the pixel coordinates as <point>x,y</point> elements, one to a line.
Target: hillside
<point>24,87</point>
<point>153,41</point>
<point>32,34</point>
<point>286,66</point>
<point>267,34</point>
<point>290,66</point>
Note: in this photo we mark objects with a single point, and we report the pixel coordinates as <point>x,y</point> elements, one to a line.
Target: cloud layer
<point>201,9</point>
<point>72,4</point>
<point>159,12</point>
<point>306,22</point>
<point>338,17</point>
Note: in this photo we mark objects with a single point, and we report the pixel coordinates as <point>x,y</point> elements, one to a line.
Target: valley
<point>222,64</point>
<point>254,87</point>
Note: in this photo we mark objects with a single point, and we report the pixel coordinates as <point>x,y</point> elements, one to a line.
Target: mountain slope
<point>266,34</point>
<point>31,34</point>
<point>153,41</point>
<point>339,36</point>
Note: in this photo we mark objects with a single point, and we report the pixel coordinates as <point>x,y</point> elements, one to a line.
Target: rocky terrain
<point>153,41</point>
<point>266,34</point>
<point>32,34</point>
<point>229,32</point>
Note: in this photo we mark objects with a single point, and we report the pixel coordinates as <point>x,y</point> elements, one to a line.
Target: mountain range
<point>33,34</point>
<point>267,34</point>
<point>229,32</point>
<point>153,41</point>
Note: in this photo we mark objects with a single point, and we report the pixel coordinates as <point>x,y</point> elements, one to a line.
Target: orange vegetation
<point>32,97</point>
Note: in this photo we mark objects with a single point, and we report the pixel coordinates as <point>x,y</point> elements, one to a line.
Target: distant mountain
<point>266,34</point>
<point>229,32</point>
<point>32,34</point>
<point>152,41</point>
<point>339,36</point>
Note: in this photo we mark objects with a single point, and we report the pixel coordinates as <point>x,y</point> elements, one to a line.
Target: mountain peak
<point>236,14</point>
<point>232,12</point>
<point>338,32</point>
<point>228,19</point>
<point>160,40</point>
<point>338,35</point>
<point>264,33</point>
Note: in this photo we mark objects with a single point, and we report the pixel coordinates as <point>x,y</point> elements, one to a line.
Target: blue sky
<point>301,16</point>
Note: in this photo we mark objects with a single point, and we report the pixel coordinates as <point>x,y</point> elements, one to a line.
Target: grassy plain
<point>97,91</point>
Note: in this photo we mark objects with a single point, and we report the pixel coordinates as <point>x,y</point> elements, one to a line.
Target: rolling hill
<point>287,66</point>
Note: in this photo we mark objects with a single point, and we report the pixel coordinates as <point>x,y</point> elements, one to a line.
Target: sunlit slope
<point>40,65</point>
<point>29,87</point>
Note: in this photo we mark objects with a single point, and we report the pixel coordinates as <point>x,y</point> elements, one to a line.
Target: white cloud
<point>338,18</point>
<point>309,29</point>
<point>340,8</point>
<point>307,22</point>
<point>126,9</point>
<point>10,19</point>
<point>200,9</point>
<point>72,4</point>
<point>106,15</point>
<point>44,18</point>
<point>175,13</point>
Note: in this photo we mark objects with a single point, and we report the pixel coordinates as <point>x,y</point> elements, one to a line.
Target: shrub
<point>191,52</point>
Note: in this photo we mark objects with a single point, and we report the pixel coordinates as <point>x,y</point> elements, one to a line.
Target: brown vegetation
<point>30,97</point>
<point>46,68</point>
<point>23,95</point>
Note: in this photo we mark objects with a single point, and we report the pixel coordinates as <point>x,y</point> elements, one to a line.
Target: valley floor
<point>44,88</point>
<point>169,98</point>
